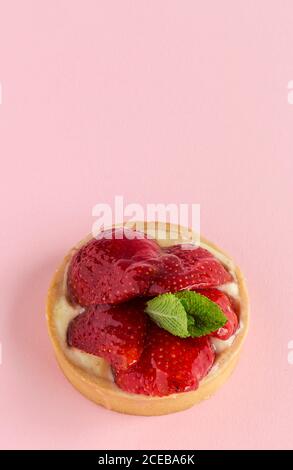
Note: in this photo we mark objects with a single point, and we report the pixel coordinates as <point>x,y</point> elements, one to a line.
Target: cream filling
<point>64,312</point>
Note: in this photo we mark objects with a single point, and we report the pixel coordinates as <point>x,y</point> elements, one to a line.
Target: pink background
<point>160,101</point>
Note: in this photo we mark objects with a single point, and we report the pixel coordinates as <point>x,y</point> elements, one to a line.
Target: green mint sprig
<point>186,313</point>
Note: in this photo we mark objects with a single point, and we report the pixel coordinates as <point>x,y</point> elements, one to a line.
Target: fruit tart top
<point>156,315</point>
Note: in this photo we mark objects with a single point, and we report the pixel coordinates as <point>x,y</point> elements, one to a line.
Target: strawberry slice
<point>117,269</point>
<point>225,304</point>
<point>115,333</point>
<point>111,270</point>
<point>185,267</point>
<point>167,365</point>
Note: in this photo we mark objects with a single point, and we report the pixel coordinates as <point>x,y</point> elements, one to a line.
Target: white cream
<point>64,312</point>
<point>231,289</point>
<point>221,345</point>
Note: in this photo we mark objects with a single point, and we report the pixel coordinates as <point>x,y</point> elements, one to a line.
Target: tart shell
<point>104,392</point>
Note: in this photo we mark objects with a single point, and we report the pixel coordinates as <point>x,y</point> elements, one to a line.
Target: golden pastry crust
<point>104,392</point>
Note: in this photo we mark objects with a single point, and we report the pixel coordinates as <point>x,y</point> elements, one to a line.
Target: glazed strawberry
<point>225,304</point>
<point>111,270</point>
<point>168,364</point>
<point>115,333</point>
<point>185,267</point>
<point>114,270</point>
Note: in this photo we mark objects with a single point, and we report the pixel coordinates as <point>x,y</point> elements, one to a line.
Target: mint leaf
<point>204,315</point>
<point>168,312</point>
<point>185,314</point>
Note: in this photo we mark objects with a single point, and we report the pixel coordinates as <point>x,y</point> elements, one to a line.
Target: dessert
<point>147,326</point>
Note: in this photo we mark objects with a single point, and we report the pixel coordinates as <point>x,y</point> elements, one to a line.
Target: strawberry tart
<point>147,326</point>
